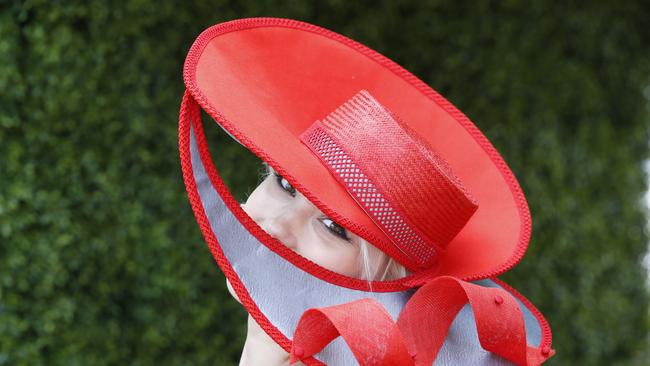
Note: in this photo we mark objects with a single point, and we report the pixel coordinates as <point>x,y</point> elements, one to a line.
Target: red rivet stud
<point>498,300</point>
<point>298,351</point>
<point>546,350</point>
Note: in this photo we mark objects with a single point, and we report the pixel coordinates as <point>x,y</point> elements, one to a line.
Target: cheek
<point>260,202</point>
<point>339,258</point>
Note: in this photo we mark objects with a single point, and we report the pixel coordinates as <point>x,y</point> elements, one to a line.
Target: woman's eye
<point>335,228</point>
<point>284,184</point>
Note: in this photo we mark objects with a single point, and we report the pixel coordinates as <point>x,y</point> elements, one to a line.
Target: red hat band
<point>267,80</point>
<point>387,326</point>
<point>404,186</point>
<point>355,134</point>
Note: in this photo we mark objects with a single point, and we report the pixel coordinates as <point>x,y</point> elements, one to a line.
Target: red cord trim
<point>211,240</point>
<point>208,235</point>
<point>297,260</point>
<point>422,327</point>
<point>275,245</point>
<point>247,23</point>
<point>547,335</point>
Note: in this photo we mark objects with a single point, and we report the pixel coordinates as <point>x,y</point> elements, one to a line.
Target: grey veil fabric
<point>283,291</point>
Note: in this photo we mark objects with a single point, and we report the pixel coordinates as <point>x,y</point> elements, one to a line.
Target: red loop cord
<point>422,327</point>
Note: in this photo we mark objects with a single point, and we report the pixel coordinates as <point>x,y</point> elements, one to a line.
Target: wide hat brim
<point>266,80</point>
<point>278,287</point>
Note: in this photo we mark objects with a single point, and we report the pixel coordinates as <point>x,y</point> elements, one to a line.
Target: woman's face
<point>288,216</point>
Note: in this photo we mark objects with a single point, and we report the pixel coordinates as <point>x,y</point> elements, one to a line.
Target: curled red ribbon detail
<point>375,339</point>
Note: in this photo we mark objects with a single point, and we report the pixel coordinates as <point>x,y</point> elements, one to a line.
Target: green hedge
<point>101,261</point>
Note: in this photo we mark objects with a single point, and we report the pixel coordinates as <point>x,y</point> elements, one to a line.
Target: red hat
<point>387,158</point>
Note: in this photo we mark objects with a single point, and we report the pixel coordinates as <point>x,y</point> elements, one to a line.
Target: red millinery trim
<point>189,74</point>
<point>547,335</point>
<point>407,189</point>
<point>422,326</point>
<point>189,115</point>
<point>318,327</point>
<point>317,271</point>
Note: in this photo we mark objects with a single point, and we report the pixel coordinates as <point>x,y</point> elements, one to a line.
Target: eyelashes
<point>284,184</point>
<point>335,228</point>
<point>329,224</point>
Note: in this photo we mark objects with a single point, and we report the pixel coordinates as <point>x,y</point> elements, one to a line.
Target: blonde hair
<point>377,265</point>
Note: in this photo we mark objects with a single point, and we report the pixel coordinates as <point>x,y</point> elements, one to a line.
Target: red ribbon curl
<point>375,339</point>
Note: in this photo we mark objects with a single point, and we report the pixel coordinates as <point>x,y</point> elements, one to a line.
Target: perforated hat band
<point>402,184</point>
<point>287,301</point>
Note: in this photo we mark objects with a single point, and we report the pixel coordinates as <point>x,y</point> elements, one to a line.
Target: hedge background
<point>102,263</point>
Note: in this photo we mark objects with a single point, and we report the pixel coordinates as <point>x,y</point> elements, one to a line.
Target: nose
<point>281,231</point>
<point>288,224</point>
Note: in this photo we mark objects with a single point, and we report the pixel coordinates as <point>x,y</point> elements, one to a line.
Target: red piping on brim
<point>273,244</point>
<point>422,327</point>
<point>201,218</point>
<point>247,23</point>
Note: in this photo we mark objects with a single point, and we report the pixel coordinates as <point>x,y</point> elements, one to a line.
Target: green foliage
<point>101,261</point>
